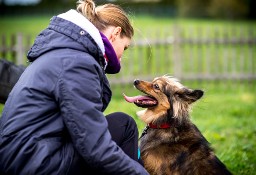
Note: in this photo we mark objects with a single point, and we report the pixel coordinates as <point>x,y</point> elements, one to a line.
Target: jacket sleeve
<point>80,95</point>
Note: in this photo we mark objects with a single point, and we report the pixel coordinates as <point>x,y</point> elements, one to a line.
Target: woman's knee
<point>122,127</point>
<point>121,118</point>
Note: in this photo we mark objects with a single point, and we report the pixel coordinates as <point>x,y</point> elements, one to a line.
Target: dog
<point>170,143</point>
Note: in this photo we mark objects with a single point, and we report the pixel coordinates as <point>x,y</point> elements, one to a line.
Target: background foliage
<point>225,115</point>
<point>225,9</point>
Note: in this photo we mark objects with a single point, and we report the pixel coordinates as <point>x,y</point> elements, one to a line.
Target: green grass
<point>222,58</point>
<point>226,117</point>
<point>26,25</point>
<point>143,25</point>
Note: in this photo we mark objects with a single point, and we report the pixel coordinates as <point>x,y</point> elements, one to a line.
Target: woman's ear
<point>115,33</point>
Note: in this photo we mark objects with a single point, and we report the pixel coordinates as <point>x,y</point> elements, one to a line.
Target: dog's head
<point>166,98</point>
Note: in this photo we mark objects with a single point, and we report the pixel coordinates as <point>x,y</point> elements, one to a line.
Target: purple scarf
<point>113,64</point>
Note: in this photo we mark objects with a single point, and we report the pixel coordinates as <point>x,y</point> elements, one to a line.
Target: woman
<point>53,121</point>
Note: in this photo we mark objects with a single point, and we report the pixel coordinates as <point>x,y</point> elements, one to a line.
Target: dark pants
<point>124,132</point>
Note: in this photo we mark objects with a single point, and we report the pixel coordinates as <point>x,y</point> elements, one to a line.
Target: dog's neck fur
<point>175,123</point>
<point>175,119</point>
<point>170,134</point>
<point>162,126</point>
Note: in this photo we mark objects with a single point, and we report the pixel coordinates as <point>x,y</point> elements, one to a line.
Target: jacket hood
<point>69,30</point>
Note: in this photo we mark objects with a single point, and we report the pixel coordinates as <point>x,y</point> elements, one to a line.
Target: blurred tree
<point>252,11</point>
<point>230,9</point>
<point>170,3</point>
<point>192,8</point>
<point>50,3</point>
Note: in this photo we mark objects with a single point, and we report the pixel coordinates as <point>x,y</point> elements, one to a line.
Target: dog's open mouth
<point>143,101</point>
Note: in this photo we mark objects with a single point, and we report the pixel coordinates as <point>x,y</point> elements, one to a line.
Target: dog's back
<point>180,151</point>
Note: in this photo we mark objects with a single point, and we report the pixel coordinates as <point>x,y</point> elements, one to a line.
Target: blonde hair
<point>106,15</point>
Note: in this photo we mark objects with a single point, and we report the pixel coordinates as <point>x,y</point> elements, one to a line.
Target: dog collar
<point>162,126</point>
<point>151,125</point>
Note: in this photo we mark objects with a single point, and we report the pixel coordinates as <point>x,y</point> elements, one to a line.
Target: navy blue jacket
<point>53,121</point>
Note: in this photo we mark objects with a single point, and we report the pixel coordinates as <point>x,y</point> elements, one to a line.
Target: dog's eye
<point>156,87</point>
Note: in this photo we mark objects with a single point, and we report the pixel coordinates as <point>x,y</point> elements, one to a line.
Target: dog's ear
<point>190,95</point>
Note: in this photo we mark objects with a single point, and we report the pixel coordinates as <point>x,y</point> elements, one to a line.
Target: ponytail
<point>105,15</point>
<point>87,8</point>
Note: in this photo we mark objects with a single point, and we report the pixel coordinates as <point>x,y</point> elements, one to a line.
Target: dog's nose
<point>136,82</point>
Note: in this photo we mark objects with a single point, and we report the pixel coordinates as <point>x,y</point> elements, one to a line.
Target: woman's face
<point>120,44</point>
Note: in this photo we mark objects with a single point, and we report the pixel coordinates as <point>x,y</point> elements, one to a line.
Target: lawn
<point>226,114</point>
<point>143,25</point>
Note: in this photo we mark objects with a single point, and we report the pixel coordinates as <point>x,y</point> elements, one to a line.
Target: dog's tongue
<point>136,98</point>
<point>141,101</point>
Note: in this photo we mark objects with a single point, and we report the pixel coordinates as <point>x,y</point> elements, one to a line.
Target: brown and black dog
<point>171,144</point>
